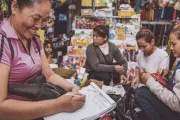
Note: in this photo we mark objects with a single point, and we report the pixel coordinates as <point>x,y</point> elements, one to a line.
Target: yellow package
<point>41,34</point>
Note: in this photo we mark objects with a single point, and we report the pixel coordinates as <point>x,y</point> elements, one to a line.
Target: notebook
<point>97,104</point>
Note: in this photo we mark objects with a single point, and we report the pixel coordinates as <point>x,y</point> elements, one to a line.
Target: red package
<point>106,117</point>
<point>160,79</point>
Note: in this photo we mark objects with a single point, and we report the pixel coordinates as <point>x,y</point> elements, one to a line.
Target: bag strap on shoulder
<point>37,45</point>
<point>10,46</point>
<point>1,48</point>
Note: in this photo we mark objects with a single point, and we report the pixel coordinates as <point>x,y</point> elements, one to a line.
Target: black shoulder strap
<point>10,46</point>
<point>37,45</point>
<point>1,48</point>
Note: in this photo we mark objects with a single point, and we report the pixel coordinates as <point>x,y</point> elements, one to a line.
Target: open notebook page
<point>96,104</point>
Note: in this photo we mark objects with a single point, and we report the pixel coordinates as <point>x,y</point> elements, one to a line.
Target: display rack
<point>83,26</point>
<point>159,28</point>
<point>112,21</point>
<point>84,36</point>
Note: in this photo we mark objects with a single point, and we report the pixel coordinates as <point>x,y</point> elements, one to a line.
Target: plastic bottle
<point>77,82</point>
<point>74,64</point>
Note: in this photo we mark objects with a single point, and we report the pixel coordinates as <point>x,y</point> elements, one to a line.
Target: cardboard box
<point>86,12</point>
<point>105,12</point>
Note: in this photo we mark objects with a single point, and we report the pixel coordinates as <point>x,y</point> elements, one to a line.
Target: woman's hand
<point>163,72</point>
<point>71,102</point>
<point>123,78</point>
<point>75,88</point>
<point>145,76</point>
<point>135,82</point>
<point>119,68</point>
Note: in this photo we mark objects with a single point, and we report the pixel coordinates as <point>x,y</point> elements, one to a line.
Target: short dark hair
<point>145,34</point>
<point>102,30</point>
<point>23,3</point>
<point>176,30</point>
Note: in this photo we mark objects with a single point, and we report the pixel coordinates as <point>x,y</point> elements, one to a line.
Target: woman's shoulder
<point>90,46</point>
<point>177,75</point>
<point>112,46</point>
<point>161,52</point>
<point>140,54</point>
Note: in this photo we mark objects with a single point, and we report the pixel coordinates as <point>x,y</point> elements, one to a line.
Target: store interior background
<point>71,23</point>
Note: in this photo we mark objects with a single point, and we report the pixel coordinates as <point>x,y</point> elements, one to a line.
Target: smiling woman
<point>22,59</point>
<point>28,16</point>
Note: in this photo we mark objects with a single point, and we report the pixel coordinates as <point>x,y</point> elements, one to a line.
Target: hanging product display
<point>3,9</point>
<point>102,3</point>
<point>122,33</point>
<point>88,23</point>
<point>98,3</point>
<point>81,40</point>
<point>3,5</point>
<point>86,3</point>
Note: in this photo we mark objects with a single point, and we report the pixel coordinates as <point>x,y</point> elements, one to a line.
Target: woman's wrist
<point>75,88</point>
<point>59,107</point>
<point>49,107</point>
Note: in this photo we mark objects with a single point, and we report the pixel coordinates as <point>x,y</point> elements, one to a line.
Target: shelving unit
<point>130,38</point>
<point>159,28</point>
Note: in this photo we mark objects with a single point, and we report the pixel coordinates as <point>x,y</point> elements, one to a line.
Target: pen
<point>69,94</point>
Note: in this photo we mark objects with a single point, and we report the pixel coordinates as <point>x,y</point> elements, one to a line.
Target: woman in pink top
<point>26,17</point>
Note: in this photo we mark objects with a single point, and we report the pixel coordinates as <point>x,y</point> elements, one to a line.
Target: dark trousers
<point>105,77</point>
<point>153,107</point>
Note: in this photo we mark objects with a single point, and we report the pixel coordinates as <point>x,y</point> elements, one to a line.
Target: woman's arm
<point>93,61</point>
<point>164,64</point>
<point>25,110</point>
<point>135,81</point>
<point>171,99</point>
<point>54,78</point>
<point>20,110</point>
<point>120,60</point>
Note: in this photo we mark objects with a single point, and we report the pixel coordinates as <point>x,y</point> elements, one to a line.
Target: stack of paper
<point>97,104</point>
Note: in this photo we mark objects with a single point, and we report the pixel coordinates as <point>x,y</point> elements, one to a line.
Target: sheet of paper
<point>117,90</point>
<point>94,106</point>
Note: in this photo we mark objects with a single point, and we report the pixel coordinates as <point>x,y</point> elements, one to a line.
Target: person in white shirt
<point>161,103</point>
<point>149,57</point>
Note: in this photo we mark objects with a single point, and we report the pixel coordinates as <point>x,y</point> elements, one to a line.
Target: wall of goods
<point>3,9</point>
<point>122,31</point>
<point>122,16</point>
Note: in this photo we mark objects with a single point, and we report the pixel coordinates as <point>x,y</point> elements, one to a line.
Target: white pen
<point>70,94</point>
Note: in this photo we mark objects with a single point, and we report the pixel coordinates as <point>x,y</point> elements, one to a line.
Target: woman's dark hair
<point>176,30</point>
<point>23,3</point>
<point>102,30</point>
<point>145,34</point>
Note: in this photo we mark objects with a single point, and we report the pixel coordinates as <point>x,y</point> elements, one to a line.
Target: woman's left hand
<point>75,88</point>
<point>119,68</point>
<point>145,76</point>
